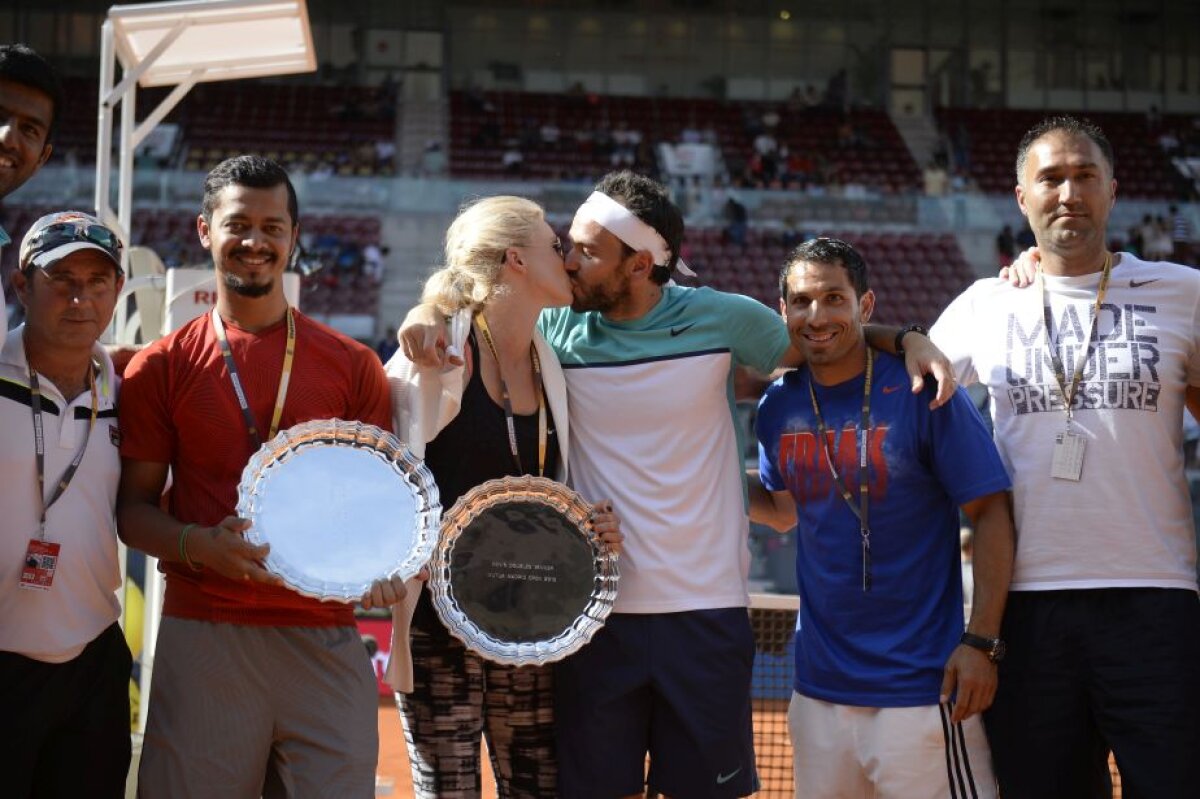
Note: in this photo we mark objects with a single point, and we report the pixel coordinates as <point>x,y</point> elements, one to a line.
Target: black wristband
<point>994,648</point>
<point>904,331</point>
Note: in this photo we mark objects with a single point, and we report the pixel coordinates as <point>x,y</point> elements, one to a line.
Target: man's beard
<point>604,298</point>
<point>239,286</point>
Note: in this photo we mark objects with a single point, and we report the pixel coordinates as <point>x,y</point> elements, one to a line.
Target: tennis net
<point>773,619</point>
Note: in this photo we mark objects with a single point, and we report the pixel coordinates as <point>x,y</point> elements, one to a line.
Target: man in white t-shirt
<point>1087,373</point>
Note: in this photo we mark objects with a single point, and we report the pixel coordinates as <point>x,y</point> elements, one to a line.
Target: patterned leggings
<point>456,697</point>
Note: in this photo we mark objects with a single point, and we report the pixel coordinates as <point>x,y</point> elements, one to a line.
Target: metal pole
<point>104,121</point>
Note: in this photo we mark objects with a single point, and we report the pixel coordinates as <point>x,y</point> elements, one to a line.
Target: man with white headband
<point>649,368</point>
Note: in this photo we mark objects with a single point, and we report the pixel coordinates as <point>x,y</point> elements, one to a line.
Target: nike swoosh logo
<point>724,778</point>
<point>675,331</point>
<point>1133,284</point>
<point>891,389</point>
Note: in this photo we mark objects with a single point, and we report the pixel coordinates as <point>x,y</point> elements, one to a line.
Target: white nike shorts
<point>848,752</point>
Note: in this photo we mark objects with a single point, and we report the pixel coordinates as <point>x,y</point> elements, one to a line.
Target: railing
<point>71,186</point>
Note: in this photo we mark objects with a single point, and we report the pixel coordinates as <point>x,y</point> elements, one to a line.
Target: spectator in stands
<point>888,686</point>
<point>385,155</point>
<point>372,261</point>
<point>504,264</point>
<point>30,98</point>
<point>1156,239</point>
<point>549,135</point>
<point>513,160</point>
<point>937,182</point>
<point>736,221</point>
<point>1181,237</point>
<point>626,142</point>
<point>256,688</point>
<point>602,141</point>
<point>386,347</point>
<point>1006,246</point>
<point>433,159</point>
<point>770,120</point>
<point>1103,621</point>
<point>1025,238</point>
<point>683,574</point>
<point>835,91</point>
<point>792,234</point>
<point>64,665</point>
<point>766,145</point>
<point>1153,119</point>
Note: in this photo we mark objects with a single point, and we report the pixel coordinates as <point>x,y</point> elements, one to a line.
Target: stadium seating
<point>1142,169</point>
<point>303,126</point>
<point>482,124</point>
<point>914,276</point>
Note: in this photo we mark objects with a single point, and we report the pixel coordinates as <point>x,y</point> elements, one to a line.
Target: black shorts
<point>66,725</point>
<point>675,685</point>
<point>1092,670</point>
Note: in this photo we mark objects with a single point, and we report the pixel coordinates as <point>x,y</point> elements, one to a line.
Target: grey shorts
<point>239,712</point>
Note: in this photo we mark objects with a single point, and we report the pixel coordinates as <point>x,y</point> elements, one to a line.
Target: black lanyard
<point>289,354</point>
<point>508,411</point>
<point>39,445</point>
<point>861,436</point>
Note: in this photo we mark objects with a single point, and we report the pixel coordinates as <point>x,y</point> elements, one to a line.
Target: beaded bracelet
<point>183,553</point>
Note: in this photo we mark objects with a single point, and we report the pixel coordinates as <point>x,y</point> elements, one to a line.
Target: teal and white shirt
<point>652,414</point>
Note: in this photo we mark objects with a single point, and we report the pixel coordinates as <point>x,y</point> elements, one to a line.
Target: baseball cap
<point>55,236</point>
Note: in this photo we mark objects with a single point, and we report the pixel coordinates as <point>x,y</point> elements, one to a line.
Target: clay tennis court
<point>770,731</point>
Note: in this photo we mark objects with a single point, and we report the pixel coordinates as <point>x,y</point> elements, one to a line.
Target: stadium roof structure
<point>168,43</point>
<point>181,44</point>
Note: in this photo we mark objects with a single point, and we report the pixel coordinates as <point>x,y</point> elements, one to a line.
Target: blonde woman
<point>504,264</point>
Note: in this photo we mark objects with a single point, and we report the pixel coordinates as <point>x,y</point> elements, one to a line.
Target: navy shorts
<point>1091,670</point>
<point>675,685</point>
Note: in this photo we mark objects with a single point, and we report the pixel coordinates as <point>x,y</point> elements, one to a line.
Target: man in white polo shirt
<point>64,665</point>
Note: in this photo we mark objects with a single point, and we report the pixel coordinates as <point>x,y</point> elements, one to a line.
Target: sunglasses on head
<point>61,233</point>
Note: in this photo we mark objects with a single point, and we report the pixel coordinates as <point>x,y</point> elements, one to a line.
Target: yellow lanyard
<point>1060,374</point>
<point>39,445</point>
<point>508,411</point>
<point>861,436</point>
<point>289,355</point>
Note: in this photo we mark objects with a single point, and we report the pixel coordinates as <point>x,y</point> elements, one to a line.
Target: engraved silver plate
<point>342,504</point>
<point>518,575</point>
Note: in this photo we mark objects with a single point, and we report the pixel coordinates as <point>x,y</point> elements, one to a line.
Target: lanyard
<point>289,355</point>
<point>861,435</point>
<point>1060,374</point>
<point>508,412</point>
<point>39,445</point>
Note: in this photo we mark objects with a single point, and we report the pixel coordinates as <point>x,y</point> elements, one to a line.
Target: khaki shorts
<point>239,712</point>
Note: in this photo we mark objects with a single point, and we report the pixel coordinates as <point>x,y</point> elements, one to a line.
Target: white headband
<point>617,219</point>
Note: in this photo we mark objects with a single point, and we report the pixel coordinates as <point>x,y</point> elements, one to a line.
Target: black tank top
<point>473,448</point>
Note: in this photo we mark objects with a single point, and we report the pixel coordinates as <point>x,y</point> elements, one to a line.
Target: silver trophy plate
<point>342,504</point>
<point>518,575</point>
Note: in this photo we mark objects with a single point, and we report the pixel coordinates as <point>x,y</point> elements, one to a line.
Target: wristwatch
<point>994,648</point>
<point>904,331</point>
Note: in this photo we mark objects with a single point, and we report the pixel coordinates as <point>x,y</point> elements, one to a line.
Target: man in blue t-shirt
<point>888,687</point>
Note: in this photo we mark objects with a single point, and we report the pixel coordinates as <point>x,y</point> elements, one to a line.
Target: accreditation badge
<point>41,559</point>
<point>1067,463</point>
